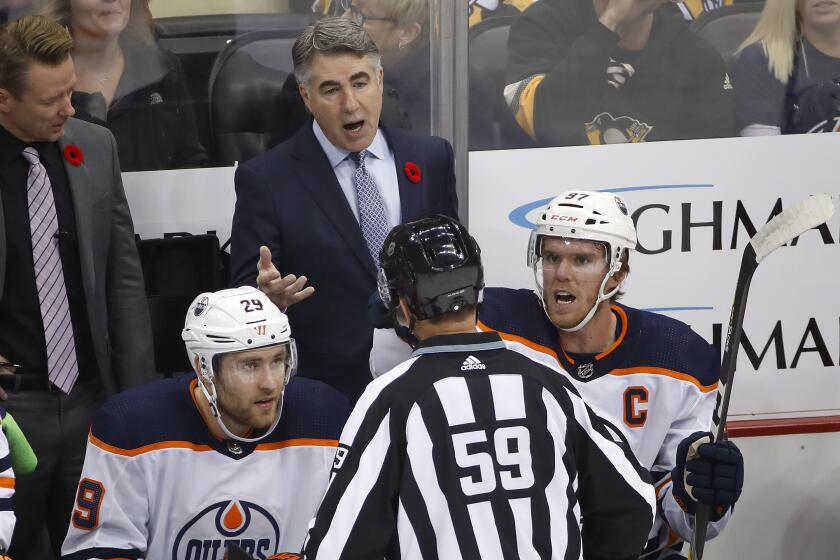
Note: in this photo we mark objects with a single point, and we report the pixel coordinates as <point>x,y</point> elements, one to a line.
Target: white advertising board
<point>183,200</point>
<point>694,203</point>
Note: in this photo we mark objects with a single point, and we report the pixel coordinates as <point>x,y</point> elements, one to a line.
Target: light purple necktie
<point>373,217</point>
<point>49,276</point>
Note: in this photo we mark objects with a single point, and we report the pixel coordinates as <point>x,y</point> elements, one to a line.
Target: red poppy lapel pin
<point>73,154</point>
<point>412,171</point>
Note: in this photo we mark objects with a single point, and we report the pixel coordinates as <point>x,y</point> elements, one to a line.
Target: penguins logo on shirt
<point>229,521</point>
<point>692,9</point>
<point>606,129</point>
<point>828,125</point>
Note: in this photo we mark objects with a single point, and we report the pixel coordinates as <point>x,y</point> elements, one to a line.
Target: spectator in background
<point>400,30</point>
<point>614,71</point>
<point>481,10</point>
<point>322,202</point>
<point>129,85</point>
<point>74,321</point>
<point>10,10</point>
<point>787,77</point>
<point>693,9</point>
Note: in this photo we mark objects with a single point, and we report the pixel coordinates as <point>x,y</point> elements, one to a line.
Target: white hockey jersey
<point>658,382</point>
<point>157,485</point>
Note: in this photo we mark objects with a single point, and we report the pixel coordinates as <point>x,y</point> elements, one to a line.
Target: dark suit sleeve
<point>129,326</point>
<point>451,193</point>
<point>255,223</point>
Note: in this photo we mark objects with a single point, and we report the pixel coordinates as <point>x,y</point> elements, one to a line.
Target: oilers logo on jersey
<point>606,129</point>
<point>225,522</point>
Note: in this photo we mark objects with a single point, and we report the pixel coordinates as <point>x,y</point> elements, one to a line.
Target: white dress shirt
<point>380,164</point>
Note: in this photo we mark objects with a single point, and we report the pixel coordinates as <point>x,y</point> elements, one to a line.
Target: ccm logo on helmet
<point>564,218</point>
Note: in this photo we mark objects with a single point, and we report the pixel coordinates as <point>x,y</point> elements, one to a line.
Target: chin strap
<point>212,400</point>
<point>601,297</point>
<point>406,334</point>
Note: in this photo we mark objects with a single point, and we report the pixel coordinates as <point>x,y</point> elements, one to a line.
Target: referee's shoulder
<point>541,367</point>
<point>386,384</point>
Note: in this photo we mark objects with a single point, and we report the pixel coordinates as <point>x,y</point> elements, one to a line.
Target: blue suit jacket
<point>289,199</point>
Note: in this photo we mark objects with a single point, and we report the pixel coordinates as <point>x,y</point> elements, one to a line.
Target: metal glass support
<point>448,33</point>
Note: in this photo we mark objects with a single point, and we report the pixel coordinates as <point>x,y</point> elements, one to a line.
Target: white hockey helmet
<point>592,216</point>
<point>234,320</point>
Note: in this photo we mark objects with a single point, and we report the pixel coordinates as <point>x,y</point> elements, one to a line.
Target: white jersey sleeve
<point>111,512</point>
<point>387,352</point>
<point>696,416</point>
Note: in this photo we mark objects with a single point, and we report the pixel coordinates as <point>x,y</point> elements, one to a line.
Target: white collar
<point>378,148</point>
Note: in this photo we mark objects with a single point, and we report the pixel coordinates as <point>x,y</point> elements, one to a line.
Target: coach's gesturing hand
<point>283,291</point>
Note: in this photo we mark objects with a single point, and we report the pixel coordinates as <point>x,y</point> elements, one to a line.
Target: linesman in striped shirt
<point>469,450</point>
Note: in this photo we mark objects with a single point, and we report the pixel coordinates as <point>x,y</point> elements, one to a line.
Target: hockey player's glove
<point>709,473</point>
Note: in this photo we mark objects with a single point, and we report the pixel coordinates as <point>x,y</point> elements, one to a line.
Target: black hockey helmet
<point>433,263</point>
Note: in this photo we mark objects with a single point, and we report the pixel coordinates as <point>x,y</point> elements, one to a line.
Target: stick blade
<point>791,223</point>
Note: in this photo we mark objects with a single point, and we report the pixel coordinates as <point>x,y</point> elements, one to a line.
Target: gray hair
<point>332,35</point>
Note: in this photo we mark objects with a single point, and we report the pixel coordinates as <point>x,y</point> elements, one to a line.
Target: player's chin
<point>565,319</point>
<point>263,415</point>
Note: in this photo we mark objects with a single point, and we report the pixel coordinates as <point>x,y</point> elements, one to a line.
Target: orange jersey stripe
<point>667,372</point>
<point>621,335</point>
<point>516,338</point>
<point>7,482</point>
<point>297,442</point>
<point>615,343</point>
<point>662,484</point>
<point>673,538</point>
<point>147,448</point>
<point>201,447</point>
<point>628,371</point>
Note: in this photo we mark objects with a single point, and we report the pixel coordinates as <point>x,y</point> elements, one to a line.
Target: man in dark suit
<point>74,323</point>
<point>321,203</point>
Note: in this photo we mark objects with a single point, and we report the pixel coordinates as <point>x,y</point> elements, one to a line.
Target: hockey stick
<point>783,228</point>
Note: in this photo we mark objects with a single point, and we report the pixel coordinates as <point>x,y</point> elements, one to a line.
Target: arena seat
<point>175,270</point>
<point>492,126</point>
<point>197,41</point>
<point>727,27</point>
<point>245,82</point>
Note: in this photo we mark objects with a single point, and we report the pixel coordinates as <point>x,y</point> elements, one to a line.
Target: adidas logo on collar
<point>472,363</point>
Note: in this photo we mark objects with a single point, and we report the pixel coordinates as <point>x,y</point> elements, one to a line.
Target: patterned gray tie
<point>373,218</point>
<point>49,276</point>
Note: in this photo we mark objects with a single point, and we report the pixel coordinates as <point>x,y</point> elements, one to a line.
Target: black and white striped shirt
<point>470,450</point>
